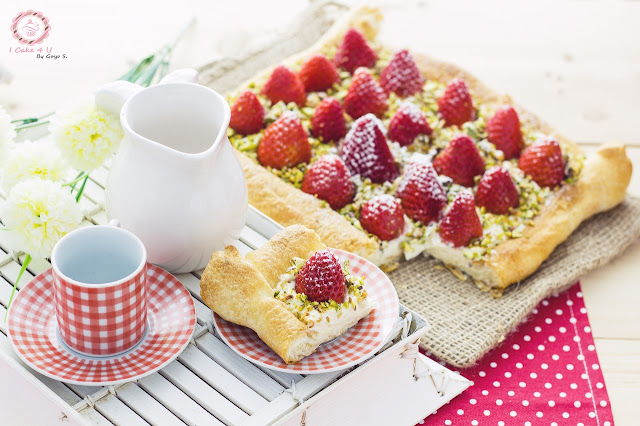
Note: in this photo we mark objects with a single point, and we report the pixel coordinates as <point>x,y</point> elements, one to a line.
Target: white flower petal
<point>33,159</point>
<point>37,214</point>
<point>86,135</point>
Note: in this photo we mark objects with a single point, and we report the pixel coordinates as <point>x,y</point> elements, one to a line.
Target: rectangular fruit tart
<point>390,154</point>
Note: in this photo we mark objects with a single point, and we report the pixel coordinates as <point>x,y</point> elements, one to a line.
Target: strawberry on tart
<point>292,292</point>
<point>391,155</point>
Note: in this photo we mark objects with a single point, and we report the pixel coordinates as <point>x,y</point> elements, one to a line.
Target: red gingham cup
<point>99,279</point>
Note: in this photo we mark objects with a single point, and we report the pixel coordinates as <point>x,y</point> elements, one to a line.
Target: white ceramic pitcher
<point>175,181</point>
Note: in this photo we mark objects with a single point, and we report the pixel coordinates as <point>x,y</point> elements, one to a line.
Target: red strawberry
<point>354,52</point>
<point>285,143</point>
<point>461,223</point>
<point>247,114</point>
<point>402,75</point>
<point>543,162</point>
<point>383,217</point>
<point>327,122</point>
<point>460,160</point>
<point>284,85</point>
<point>366,153</point>
<point>504,132</point>
<point>406,124</point>
<point>496,191</point>
<point>318,74</point>
<point>321,278</point>
<point>420,191</point>
<point>455,105</point>
<point>329,180</point>
<point>364,96</point>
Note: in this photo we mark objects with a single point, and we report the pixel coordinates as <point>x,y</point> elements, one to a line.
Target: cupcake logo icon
<point>30,27</point>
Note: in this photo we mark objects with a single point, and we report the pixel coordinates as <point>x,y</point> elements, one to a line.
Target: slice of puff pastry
<point>241,291</point>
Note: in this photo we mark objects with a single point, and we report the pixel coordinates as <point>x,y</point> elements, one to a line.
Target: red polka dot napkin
<point>547,372</point>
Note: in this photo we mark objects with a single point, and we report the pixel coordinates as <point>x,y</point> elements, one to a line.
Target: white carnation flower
<point>37,213</point>
<point>7,133</point>
<point>86,135</point>
<point>33,159</point>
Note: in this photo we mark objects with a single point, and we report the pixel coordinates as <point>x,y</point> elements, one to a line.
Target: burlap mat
<point>466,322</point>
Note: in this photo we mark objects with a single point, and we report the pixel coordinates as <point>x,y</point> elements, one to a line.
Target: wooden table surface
<point>575,64</point>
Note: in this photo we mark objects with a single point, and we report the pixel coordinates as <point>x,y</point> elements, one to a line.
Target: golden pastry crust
<point>241,291</point>
<point>600,186</point>
<point>273,258</point>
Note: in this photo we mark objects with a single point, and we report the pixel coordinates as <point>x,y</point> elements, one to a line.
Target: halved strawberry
<point>455,105</point>
<point>247,114</point>
<point>366,153</point>
<point>420,191</point>
<point>460,160</point>
<point>284,85</point>
<point>364,96</point>
<point>504,132</point>
<point>285,143</point>
<point>328,122</point>
<point>461,223</point>
<point>543,161</point>
<point>496,191</point>
<point>402,76</point>
<point>407,123</point>
<point>318,74</point>
<point>383,217</point>
<point>329,179</point>
<point>354,52</point>
<point>321,278</point>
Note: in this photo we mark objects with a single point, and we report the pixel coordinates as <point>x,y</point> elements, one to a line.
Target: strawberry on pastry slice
<point>407,123</point>
<point>366,153</point>
<point>364,96</point>
<point>328,123</point>
<point>284,85</point>
<point>461,223</point>
<point>421,193</point>
<point>402,76</point>
<point>285,143</point>
<point>247,114</point>
<point>329,179</point>
<point>455,105</point>
<point>504,132</point>
<point>460,160</point>
<point>496,191</point>
<point>383,217</point>
<point>354,52</point>
<point>318,74</point>
<point>321,278</point>
<point>543,161</point>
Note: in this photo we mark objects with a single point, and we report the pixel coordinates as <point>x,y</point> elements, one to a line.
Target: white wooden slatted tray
<point>209,384</point>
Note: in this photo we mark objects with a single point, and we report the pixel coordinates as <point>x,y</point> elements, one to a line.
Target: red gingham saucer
<point>33,331</point>
<point>356,345</point>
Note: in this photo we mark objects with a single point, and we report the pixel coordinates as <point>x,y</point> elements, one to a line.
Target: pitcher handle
<point>183,75</point>
<point>112,96</point>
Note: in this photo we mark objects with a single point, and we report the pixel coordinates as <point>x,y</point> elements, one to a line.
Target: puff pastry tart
<point>391,154</point>
<point>292,292</point>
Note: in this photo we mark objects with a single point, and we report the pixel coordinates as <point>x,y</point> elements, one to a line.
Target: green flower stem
<point>81,190</point>
<point>77,179</point>
<point>25,264</point>
<point>31,124</point>
<point>22,121</point>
